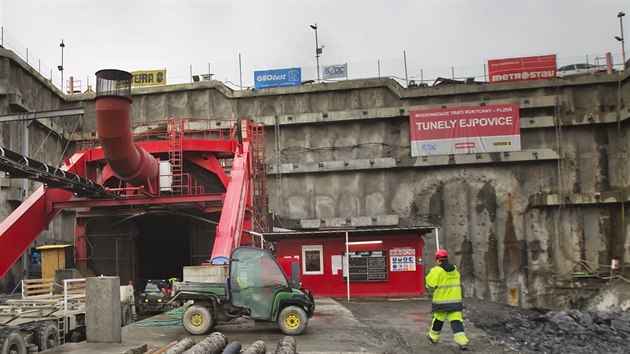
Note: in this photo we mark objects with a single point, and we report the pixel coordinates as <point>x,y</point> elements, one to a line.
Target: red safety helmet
<point>441,254</point>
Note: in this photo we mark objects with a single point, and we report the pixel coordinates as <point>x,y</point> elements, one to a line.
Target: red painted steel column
<point>24,224</point>
<point>80,243</point>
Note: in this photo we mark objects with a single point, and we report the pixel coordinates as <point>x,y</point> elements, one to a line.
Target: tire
<point>141,310</point>
<point>46,336</point>
<point>125,315</point>
<point>198,320</point>
<point>11,342</point>
<point>292,320</point>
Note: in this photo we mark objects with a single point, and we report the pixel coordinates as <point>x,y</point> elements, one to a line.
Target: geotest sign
<point>277,78</point>
<point>463,130</point>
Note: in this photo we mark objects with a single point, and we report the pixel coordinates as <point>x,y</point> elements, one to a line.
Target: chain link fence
<point>237,75</point>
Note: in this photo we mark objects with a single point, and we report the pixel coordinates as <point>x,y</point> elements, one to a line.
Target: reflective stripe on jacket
<point>444,282</point>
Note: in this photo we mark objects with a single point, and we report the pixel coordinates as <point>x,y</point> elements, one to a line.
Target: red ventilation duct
<point>128,161</point>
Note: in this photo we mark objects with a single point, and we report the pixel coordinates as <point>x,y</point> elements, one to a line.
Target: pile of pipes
<point>217,343</point>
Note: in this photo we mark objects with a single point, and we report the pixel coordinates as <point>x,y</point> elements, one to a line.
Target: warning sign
<point>402,260</point>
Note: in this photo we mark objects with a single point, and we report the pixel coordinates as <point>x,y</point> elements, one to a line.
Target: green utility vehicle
<point>154,297</point>
<point>256,287</point>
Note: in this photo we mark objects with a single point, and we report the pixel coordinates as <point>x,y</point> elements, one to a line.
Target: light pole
<point>318,50</point>
<point>60,67</point>
<point>621,39</point>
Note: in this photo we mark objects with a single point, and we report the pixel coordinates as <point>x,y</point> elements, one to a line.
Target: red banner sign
<point>522,69</point>
<point>463,130</point>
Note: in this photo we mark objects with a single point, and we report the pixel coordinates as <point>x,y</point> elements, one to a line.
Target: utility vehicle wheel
<point>292,320</point>
<point>141,310</point>
<point>198,320</point>
<point>11,342</point>
<point>46,336</point>
<point>125,315</point>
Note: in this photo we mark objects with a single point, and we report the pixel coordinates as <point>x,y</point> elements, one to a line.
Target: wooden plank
<point>38,282</point>
<point>39,286</point>
<point>42,280</point>
<point>39,291</point>
<point>31,301</point>
<point>74,287</point>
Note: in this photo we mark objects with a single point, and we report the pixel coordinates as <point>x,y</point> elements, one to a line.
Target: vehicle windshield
<point>151,287</point>
<point>155,286</point>
<point>255,279</point>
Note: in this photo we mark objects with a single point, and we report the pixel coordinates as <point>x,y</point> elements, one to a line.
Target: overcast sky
<point>439,38</point>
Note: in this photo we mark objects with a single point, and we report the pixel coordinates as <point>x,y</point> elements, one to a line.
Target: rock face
<point>612,297</point>
<point>543,331</point>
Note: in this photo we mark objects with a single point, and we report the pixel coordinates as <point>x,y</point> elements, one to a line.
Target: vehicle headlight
<point>159,300</point>
<point>146,300</point>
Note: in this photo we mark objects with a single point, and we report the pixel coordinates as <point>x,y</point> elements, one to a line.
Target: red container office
<point>381,263</point>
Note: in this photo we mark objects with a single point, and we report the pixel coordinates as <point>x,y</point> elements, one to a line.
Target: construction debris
<point>162,349</point>
<point>217,343</point>
<point>286,345</point>
<point>258,347</point>
<point>212,344</point>
<point>181,346</point>
<point>558,332</point>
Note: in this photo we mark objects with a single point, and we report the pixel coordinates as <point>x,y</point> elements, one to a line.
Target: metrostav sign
<point>522,69</point>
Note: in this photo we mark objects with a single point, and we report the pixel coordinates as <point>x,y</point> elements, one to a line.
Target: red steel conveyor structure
<point>135,171</point>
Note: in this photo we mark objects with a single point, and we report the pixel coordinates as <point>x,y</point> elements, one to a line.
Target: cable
<point>63,153</point>
<point>42,144</point>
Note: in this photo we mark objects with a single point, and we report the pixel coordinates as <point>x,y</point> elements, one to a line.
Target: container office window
<point>312,260</point>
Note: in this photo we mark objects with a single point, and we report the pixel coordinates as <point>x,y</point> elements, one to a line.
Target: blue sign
<point>277,78</point>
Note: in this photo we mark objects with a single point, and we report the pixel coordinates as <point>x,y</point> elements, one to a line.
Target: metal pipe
<point>232,348</point>
<point>128,161</point>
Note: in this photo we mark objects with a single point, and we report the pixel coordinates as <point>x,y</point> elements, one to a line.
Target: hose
<point>177,314</point>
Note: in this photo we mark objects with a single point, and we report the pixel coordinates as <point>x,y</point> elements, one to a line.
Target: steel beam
<point>233,217</point>
<point>131,201</point>
<point>42,114</point>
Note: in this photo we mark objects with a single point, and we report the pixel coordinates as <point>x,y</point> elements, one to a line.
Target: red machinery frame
<point>209,147</point>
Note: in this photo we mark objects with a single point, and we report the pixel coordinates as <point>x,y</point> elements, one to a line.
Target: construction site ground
<point>338,326</point>
<point>399,325</point>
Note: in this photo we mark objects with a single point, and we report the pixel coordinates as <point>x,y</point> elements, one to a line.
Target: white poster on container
<point>402,260</point>
<point>335,71</point>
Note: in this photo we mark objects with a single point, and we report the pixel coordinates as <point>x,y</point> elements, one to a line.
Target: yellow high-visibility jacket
<point>444,281</point>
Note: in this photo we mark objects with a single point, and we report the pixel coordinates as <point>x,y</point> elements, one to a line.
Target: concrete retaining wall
<point>518,224</point>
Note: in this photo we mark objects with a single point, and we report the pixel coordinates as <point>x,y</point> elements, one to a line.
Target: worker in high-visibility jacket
<point>443,281</point>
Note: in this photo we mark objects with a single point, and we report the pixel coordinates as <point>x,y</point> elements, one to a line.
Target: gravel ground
<point>401,326</point>
<point>553,332</point>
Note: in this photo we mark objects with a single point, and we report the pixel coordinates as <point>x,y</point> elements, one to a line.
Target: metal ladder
<point>61,325</point>
<point>175,152</point>
<point>256,133</point>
